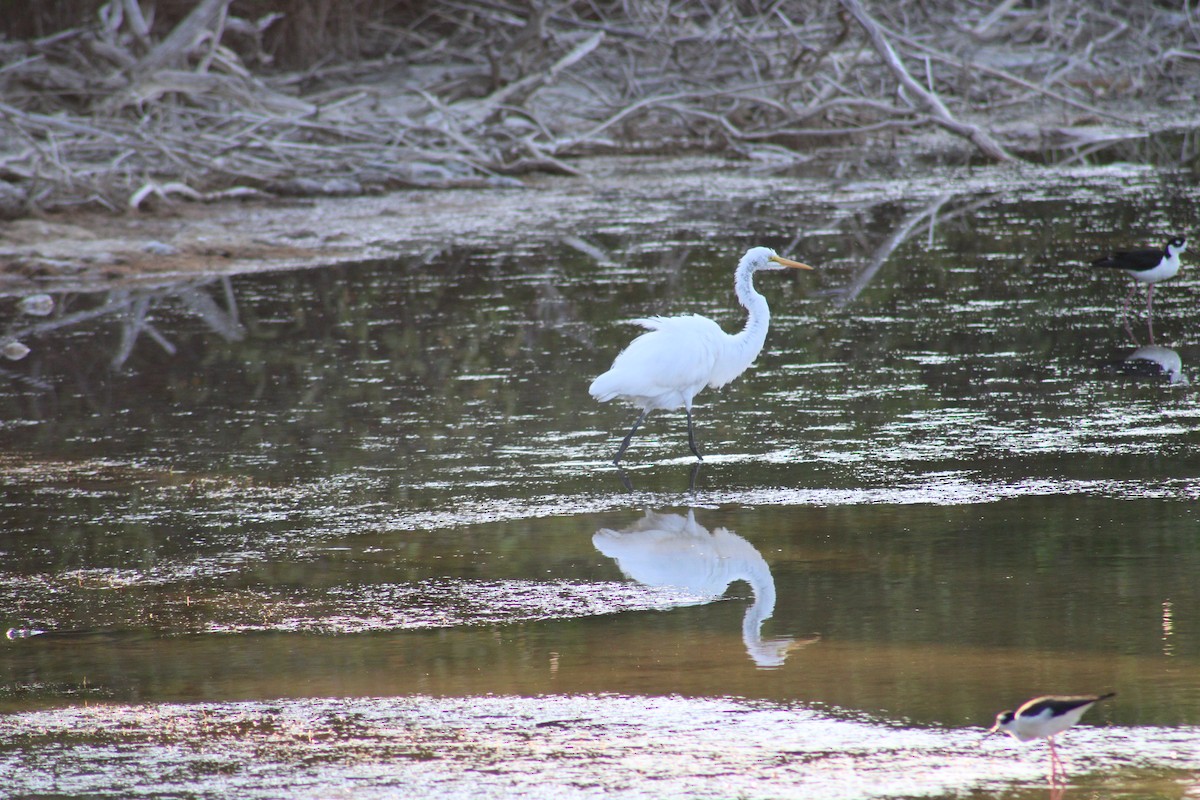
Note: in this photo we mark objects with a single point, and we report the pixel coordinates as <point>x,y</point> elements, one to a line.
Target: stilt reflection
<point>1150,362</point>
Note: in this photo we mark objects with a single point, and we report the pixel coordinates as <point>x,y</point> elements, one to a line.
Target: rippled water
<point>364,516</point>
<point>592,746</point>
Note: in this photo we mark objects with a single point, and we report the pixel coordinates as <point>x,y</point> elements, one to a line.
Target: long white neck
<point>754,334</point>
<point>740,349</point>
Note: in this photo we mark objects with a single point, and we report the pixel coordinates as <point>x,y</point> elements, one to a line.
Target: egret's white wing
<point>664,367</point>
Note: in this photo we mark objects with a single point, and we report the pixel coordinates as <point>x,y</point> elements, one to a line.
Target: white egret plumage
<point>668,365</point>
<point>670,550</point>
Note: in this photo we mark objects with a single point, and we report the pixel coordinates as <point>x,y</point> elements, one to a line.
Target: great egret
<point>1147,266</point>
<point>678,356</point>
<point>1043,717</point>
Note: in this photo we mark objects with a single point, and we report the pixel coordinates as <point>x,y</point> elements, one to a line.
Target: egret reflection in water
<point>662,550</point>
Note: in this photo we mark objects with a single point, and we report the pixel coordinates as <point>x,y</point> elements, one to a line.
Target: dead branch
<point>175,47</point>
<point>466,91</point>
<point>1008,77</point>
<point>518,90</point>
<point>936,108</point>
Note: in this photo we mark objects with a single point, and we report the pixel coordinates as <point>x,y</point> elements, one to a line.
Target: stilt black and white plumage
<point>1148,266</point>
<point>1044,718</point>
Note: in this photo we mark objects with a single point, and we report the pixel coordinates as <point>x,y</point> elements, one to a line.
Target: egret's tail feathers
<point>603,388</point>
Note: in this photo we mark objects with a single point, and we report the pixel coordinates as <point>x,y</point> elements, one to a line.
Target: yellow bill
<point>787,262</point>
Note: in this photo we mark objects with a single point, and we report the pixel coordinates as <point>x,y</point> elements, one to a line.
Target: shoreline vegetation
<point>126,105</point>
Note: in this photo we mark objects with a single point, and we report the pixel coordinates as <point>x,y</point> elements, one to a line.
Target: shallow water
<point>586,746</point>
<point>364,517</point>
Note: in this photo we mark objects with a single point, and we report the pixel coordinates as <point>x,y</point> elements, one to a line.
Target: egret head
<point>765,258</point>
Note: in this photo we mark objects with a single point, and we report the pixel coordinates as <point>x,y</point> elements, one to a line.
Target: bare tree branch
<point>459,92</point>
<point>174,48</point>
<point>932,103</point>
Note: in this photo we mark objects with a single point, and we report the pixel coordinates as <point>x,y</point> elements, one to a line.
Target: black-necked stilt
<point>1147,266</point>
<point>1043,718</point>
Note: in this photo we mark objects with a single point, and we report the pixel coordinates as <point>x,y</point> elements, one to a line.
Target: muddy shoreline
<point>90,251</point>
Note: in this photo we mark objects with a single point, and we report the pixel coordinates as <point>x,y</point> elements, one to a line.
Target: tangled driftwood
<point>482,90</point>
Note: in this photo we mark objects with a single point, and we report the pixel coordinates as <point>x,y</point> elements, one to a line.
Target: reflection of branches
<point>33,383</point>
<point>898,236</point>
<point>881,254</point>
<point>132,309</point>
<point>135,323</point>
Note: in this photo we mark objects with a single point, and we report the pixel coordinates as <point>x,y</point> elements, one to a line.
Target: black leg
<point>628,484</point>
<point>692,436</point>
<point>628,437</point>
